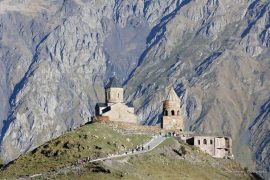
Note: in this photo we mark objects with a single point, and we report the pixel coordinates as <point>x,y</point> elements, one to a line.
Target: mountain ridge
<point>213,52</point>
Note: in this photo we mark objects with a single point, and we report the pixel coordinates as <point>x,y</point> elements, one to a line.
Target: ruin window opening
<point>199,142</point>
<point>211,141</point>
<point>173,113</point>
<point>204,141</point>
<point>227,142</point>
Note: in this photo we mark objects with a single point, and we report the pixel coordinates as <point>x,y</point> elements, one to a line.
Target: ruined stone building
<point>115,109</point>
<point>216,146</point>
<point>172,118</point>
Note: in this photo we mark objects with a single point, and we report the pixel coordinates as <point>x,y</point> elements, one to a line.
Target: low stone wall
<point>134,128</point>
<point>102,119</point>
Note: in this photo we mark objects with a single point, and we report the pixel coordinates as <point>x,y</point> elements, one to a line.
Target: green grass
<point>167,142</point>
<point>161,163</point>
<point>94,140</point>
<point>167,161</point>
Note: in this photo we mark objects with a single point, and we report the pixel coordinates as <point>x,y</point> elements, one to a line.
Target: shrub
<point>34,151</point>
<point>1,163</point>
<point>57,142</point>
<point>183,150</point>
<point>162,154</point>
<point>47,153</point>
<point>68,145</point>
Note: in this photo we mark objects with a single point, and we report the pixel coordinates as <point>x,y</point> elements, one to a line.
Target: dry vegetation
<point>94,140</point>
<point>171,160</point>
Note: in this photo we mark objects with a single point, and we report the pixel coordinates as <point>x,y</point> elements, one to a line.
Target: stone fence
<point>129,128</point>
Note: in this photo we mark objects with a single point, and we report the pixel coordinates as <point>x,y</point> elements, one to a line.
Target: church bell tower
<point>114,92</point>
<point>172,118</point>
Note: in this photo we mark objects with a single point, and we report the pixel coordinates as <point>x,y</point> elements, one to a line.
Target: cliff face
<point>55,57</point>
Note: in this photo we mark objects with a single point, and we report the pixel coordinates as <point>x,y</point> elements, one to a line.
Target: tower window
<point>204,141</point>
<point>173,113</point>
<point>199,142</point>
<point>165,113</point>
<point>211,141</point>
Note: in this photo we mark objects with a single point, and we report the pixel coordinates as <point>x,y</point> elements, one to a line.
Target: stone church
<point>172,119</point>
<point>115,109</point>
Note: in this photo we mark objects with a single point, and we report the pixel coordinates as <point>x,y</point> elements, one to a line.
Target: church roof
<point>172,96</point>
<point>114,83</point>
<point>101,105</point>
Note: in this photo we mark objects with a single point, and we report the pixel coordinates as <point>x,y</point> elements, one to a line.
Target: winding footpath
<point>153,143</point>
<point>149,146</point>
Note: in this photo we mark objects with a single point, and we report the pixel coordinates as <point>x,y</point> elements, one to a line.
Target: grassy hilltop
<point>170,160</point>
<point>94,140</point>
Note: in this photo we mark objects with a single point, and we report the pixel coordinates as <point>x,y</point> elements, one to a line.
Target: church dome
<point>172,96</point>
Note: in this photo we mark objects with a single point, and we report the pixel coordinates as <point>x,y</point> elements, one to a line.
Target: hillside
<point>92,140</point>
<point>170,160</point>
<point>56,57</point>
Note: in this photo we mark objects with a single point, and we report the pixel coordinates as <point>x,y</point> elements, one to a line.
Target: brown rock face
<point>56,55</point>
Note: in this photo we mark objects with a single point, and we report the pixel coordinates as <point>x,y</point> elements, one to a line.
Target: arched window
<point>165,113</point>
<point>204,141</point>
<point>178,113</point>
<point>172,112</point>
<point>211,141</point>
<point>199,142</point>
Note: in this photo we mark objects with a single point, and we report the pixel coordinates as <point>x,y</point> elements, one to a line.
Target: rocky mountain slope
<point>56,56</point>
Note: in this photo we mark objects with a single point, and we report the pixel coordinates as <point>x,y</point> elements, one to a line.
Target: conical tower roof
<point>114,83</point>
<point>172,96</point>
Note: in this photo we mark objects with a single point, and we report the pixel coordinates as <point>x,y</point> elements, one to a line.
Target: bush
<point>68,145</point>
<point>47,153</point>
<point>1,163</point>
<point>162,154</point>
<point>183,150</point>
<point>57,142</point>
